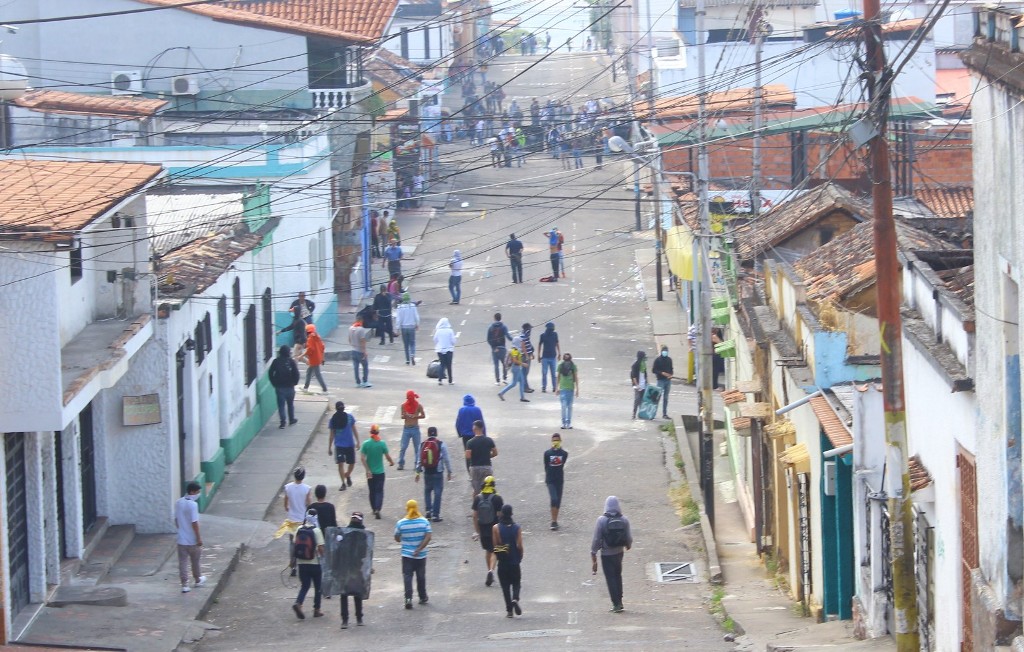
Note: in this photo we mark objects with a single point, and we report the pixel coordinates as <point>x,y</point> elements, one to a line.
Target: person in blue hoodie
<point>468,413</point>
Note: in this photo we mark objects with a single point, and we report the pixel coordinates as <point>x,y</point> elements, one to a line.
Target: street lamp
<point>619,144</point>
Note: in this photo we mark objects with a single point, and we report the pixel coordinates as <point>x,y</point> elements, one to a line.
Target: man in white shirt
<point>407,319</point>
<point>455,278</point>
<point>357,336</point>
<point>190,541</point>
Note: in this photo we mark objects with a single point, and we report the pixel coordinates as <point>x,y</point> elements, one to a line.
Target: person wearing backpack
<point>432,463</point>
<point>497,335</point>
<point>309,548</point>
<point>612,538</point>
<point>508,543</point>
<point>486,507</point>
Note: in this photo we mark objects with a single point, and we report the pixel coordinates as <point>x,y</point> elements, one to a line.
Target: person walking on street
<point>638,377</point>
<point>373,452</point>
<point>568,388</point>
<point>526,349</point>
<point>468,415</point>
<point>487,505</point>
<point>455,277</point>
<point>326,516</point>
<point>515,362</point>
<point>552,237</point>
<point>393,232</point>
<point>314,356</point>
<point>554,475</point>
<point>342,441</point>
<point>297,328</point>
<point>612,538</point>
<point>305,307</point>
<point>284,376</point>
<point>382,304</point>
<point>190,540</point>
<point>374,234</point>
<point>357,336</point>
<point>662,369</point>
<point>413,532</point>
<point>355,522</point>
<point>497,335</point>
<point>514,253</point>
<point>407,318</point>
<point>298,496</point>
<point>382,231</point>
<point>392,258</point>
<point>432,463</point>
<point>309,547</point>
<point>507,537</point>
<point>479,451</point>
<point>550,351</point>
<point>412,412</point>
<point>444,346</point>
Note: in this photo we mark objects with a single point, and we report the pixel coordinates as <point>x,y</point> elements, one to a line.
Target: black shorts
<point>345,454</point>
<point>487,540</point>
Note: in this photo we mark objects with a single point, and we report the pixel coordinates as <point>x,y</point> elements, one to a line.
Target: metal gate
<point>88,443</point>
<point>968,543</point>
<point>923,564</point>
<point>803,496</point>
<point>17,520</point>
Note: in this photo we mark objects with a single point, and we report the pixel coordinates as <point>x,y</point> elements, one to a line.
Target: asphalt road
<point>601,317</point>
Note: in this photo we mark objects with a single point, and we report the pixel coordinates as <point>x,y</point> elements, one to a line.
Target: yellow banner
<point>679,250</point>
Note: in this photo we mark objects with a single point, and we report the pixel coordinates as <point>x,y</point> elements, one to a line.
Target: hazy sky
<point>560,17</point>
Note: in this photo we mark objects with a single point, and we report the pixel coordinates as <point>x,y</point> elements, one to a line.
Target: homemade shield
<point>348,560</point>
<point>649,403</point>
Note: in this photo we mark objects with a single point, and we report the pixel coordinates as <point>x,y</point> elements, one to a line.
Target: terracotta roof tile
<point>919,476</point>
<point>738,99</point>
<point>741,423</point>
<point>834,428</point>
<point>392,76</point>
<point>944,201</point>
<point>350,20</point>
<point>789,218</point>
<point>195,266</point>
<point>731,396</point>
<point>51,199</point>
<point>114,106</point>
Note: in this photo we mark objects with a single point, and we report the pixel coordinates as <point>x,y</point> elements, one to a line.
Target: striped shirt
<point>412,532</point>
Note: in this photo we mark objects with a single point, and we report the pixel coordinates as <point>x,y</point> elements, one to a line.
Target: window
<point>403,39</point>
<point>207,333</point>
<point>222,314</point>
<point>268,325</point>
<point>236,292</point>
<point>75,265</point>
<point>250,345</point>
<point>333,66</point>
<point>198,336</point>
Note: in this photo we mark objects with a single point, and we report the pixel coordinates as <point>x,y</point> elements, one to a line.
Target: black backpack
<point>305,543</point>
<point>615,532</point>
<point>496,335</point>
<point>485,514</point>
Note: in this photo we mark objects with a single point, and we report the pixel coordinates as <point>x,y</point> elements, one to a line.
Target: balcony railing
<point>338,98</point>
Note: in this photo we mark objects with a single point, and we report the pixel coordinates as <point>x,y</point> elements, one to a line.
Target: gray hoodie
<point>611,509</point>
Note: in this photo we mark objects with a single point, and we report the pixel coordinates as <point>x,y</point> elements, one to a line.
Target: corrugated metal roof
<point>177,219</point>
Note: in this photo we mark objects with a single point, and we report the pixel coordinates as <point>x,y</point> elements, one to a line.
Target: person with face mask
<point>190,541</point>
<point>554,475</point>
<point>662,369</point>
<point>568,388</point>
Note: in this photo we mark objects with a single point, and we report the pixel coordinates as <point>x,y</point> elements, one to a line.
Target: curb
<point>222,581</point>
<point>711,548</point>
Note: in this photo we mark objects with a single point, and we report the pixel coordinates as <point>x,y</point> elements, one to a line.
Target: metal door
<point>58,452</point>
<point>17,520</point>
<point>179,403</point>
<point>968,543</point>
<point>88,443</point>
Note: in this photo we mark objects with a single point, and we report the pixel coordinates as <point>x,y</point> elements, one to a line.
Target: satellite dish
<point>13,78</point>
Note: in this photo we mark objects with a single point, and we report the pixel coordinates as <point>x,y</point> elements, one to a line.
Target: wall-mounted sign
<point>140,410</point>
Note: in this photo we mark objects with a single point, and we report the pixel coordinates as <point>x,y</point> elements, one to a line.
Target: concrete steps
<point>835,636</point>
<point>80,581</point>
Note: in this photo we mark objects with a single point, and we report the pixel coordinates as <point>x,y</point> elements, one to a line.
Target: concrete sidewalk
<point>765,618</point>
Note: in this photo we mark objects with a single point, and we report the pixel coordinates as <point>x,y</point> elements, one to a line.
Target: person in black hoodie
<point>298,331</point>
<point>638,376</point>
<point>284,376</point>
<point>382,305</point>
<point>662,369</point>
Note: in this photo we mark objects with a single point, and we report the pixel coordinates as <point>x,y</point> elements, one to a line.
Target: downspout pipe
<point>796,404</point>
<point>838,451</point>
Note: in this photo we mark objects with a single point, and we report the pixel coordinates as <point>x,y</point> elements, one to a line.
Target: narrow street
<point>601,317</point>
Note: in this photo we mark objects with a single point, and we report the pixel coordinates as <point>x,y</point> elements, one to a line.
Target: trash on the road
<point>465,204</point>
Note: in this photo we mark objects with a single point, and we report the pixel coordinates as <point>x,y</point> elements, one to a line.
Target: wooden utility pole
<point>887,285</point>
<point>706,348</point>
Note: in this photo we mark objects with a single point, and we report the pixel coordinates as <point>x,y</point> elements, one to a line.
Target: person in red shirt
<point>314,357</point>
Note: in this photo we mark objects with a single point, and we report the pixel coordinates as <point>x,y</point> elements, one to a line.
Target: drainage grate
<point>676,571</point>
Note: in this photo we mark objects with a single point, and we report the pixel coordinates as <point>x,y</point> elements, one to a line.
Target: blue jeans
<point>433,487</point>
<point>409,433</point>
<point>375,483</point>
<point>409,342</point>
<point>455,287</point>
<point>545,365</point>
<point>566,396</point>
<point>498,357</point>
<point>285,398</point>
<point>664,384</point>
<point>517,379</point>
<point>359,358</point>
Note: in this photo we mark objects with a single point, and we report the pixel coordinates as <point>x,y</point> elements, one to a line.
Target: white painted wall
<point>440,39</point>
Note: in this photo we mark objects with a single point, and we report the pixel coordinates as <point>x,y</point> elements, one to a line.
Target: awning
<point>835,430</point>
<point>795,455</point>
<point>679,250</point>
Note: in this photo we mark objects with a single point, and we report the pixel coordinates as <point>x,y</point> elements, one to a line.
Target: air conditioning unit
<point>184,85</point>
<point>126,82</point>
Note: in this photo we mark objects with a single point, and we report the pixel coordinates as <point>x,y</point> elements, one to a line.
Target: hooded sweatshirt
<point>456,263</point>
<point>548,342</point>
<point>638,372</point>
<point>314,349</point>
<point>611,509</point>
<point>468,413</point>
<point>444,336</point>
<point>407,315</point>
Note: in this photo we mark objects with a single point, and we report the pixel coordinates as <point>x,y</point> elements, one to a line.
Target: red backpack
<point>430,454</point>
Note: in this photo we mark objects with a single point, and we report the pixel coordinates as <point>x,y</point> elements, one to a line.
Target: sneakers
<point>554,525</point>
<point>617,609</point>
<point>524,400</point>
<point>408,603</point>
<point>424,600</point>
<point>344,624</point>
<point>500,395</point>
<point>293,422</point>
<point>348,480</point>
<point>281,426</point>
<point>359,621</point>
<point>490,578</point>
<point>376,514</point>
<point>508,614</point>
<point>401,466</point>
<point>185,589</point>
<point>515,608</point>
<point>297,608</point>
<point>529,390</point>
<point>201,580</point>
<point>437,519</point>
<point>343,487</point>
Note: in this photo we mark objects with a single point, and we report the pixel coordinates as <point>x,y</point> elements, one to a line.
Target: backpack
<point>305,543</point>
<point>430,455</point>
<point>615,530</point>
<point>496,335</point>
<point>485,514</point>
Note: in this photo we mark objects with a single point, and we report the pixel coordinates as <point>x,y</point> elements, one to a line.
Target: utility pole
<point>887,285</point>
<point>635,131</point>
<point>757,35</point>
<point>652,88</point>
<point>707,432</point>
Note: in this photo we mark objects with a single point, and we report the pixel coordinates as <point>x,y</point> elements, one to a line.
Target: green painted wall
<point>266,405</point>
